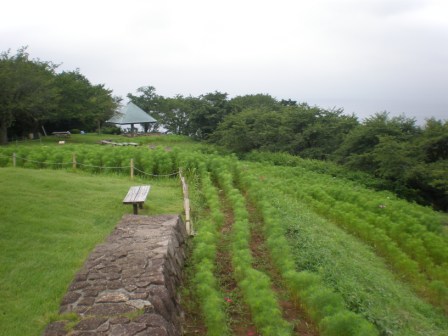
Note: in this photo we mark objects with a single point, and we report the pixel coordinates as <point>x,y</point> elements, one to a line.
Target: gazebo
<point>131,114</point>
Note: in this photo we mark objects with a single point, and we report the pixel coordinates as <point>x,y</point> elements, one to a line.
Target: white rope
<point>45,163</point>
<point>102,167</point>
<point>141,171</point>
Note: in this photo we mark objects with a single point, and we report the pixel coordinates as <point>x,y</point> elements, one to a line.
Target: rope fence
<point>132,169</point>
<point>75,164</point>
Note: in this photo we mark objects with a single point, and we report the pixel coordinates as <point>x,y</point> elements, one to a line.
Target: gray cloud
<point>364,56</point>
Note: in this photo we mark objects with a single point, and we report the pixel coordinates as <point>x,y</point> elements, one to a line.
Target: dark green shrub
<point>348,324</point>
<point>111,130</point>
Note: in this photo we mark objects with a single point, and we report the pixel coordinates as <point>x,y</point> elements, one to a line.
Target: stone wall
<point>127,285</point>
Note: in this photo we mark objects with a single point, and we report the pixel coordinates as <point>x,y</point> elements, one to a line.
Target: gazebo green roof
<point>131,114</point>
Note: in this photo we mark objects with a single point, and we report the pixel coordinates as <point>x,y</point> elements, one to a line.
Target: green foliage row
<point>255,285</point>
<point>94,159</point>
<point>413,232</point>
<point>204,259</point>
<point>346,264</point>
<point>317,166</point>
<point>402,211</point>
<point>324,306</point>
<point>414,245</point>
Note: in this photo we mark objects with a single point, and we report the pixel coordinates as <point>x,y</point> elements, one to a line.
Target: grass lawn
<point>50,220</point>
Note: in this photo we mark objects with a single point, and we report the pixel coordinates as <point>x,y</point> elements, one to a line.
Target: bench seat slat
<point>142,194</point>
<point>136,194</point>
<point>131,195</point>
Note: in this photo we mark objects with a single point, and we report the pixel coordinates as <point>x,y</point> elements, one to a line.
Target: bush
<point>348,324</point>
<point>111,130</point>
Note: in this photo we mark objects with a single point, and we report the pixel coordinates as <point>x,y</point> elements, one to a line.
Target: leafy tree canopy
<point>27,91</point>
<point>33,94</point>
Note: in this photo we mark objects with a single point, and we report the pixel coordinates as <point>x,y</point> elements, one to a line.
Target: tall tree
<point>177,112</point>
<point>429,175</point>
<point>146,98</point>
<point>206,118</point>
<point>265,101</point>
<point>321,131</point>
<point>82,105</point>
<point>104,105</point>
<point>174,114</point>
<point>357,149</point>
<point>27,91</point>
<point>434,140</point>
<point>248,130</point>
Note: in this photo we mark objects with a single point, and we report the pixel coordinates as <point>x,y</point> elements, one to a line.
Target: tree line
<point>33,95</point>
<point>411,159</point>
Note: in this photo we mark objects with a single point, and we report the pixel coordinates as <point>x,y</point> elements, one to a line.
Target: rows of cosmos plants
<point>254,284</point>
<point>407,236</point>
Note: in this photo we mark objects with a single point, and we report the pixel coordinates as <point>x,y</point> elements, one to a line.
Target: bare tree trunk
<point>3,133</point>
<point>36,133</point>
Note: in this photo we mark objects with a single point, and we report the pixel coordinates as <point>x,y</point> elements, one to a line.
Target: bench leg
<point>140,205</point>
<point>134,205</point>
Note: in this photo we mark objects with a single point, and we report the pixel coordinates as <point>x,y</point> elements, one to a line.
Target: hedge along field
<point>319,247</point>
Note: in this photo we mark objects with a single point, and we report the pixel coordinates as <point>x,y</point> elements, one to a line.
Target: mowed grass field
<point>50,220</point>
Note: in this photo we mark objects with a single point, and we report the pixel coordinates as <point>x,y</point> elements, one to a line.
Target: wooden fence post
<point>74,160</point>
<point>13,159</point>
<point>188,225</point>
<point>132,169</point>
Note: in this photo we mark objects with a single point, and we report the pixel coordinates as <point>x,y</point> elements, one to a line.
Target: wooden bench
<point>137,196</point>
<point>62,134</point>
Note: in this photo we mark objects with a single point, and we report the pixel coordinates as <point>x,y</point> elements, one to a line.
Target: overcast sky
<point>364,56</point>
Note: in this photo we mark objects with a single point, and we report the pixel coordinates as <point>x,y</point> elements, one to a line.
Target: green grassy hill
<point>352,261</point>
